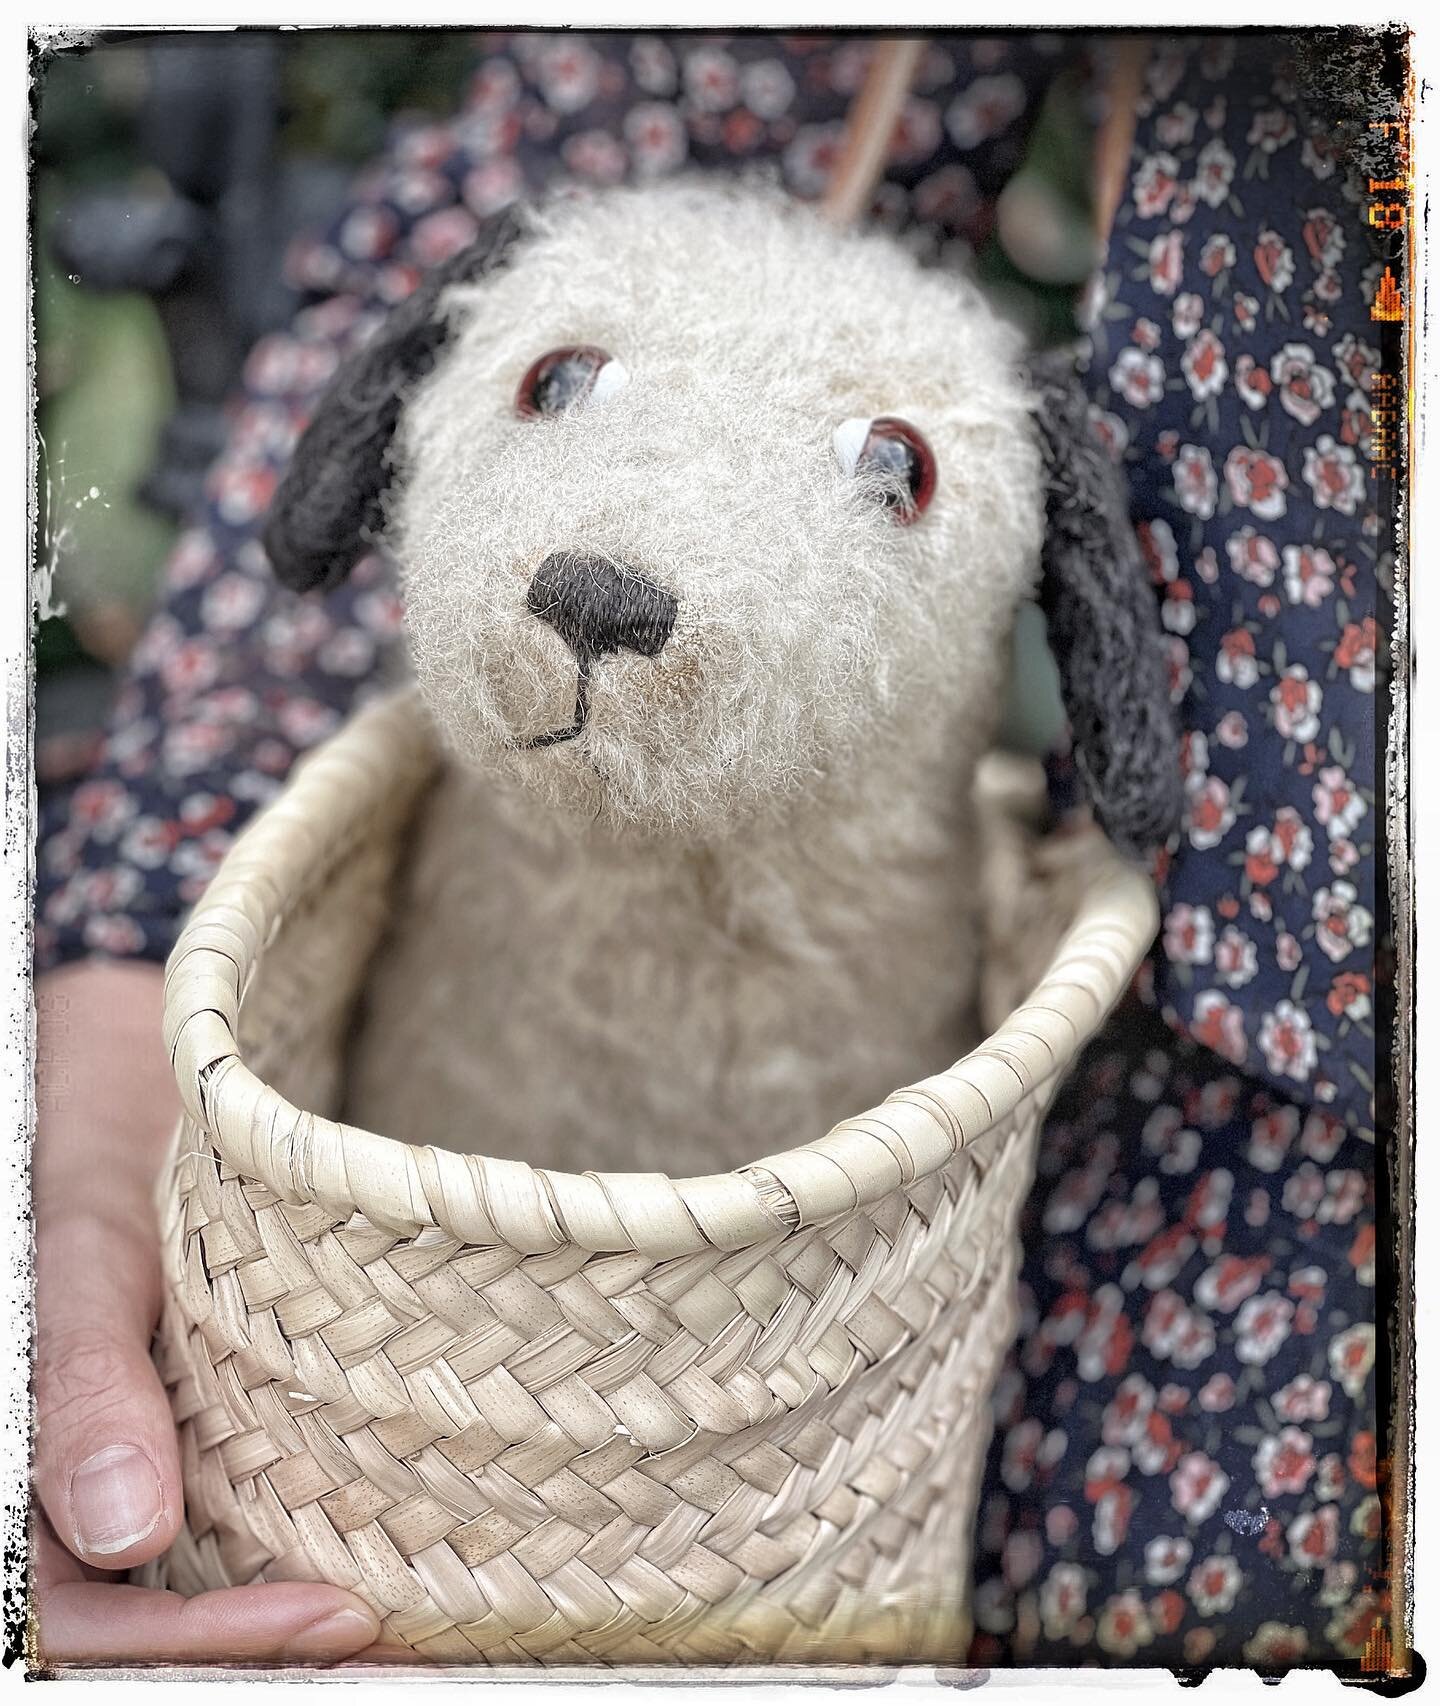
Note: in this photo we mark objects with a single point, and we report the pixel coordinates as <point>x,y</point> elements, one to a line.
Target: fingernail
<point>115,1499</point>
<point>333,1637</point>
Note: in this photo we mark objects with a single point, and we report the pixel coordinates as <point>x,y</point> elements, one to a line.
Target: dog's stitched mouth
<point>582,713</point>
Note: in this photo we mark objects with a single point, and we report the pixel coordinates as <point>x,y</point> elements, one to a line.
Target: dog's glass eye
<point>566,376</point>
<point>896,456</point>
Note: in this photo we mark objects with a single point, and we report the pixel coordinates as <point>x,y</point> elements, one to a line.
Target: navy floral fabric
<point>1183,1471</point>
<point>1233,368</point>
<point>1184,1468</point>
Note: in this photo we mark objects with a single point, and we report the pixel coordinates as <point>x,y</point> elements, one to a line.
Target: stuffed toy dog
<point>711,523</point>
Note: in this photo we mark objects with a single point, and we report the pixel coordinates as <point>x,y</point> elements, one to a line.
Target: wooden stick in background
<point>870,124</point>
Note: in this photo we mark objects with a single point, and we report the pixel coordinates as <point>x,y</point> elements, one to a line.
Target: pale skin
<point>107,1105</point>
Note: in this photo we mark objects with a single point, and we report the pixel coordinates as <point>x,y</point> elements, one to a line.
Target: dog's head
<point>694,500</point>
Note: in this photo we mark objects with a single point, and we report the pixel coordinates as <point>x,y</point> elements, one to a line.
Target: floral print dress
<point>1184,1470</point>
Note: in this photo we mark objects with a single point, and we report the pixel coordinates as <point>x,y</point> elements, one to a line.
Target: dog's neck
<point>884,821</point>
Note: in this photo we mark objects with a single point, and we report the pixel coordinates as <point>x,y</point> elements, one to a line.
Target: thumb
<point>107,1467</point>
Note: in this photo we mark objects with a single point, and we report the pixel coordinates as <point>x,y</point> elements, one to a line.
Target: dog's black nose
<point>597,606</point>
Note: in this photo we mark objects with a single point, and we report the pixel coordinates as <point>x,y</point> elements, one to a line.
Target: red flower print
<point>1341,924</point>
<point>1304,1399</point>
<point>768,89</point>
<point>1204,365</point>
<point>1274,261</point>
<point>1296,700</point>
<point>1154,183</point>
<point>1362,1458</point>
<point>1271,130</point>
<point>1276,1646</point>
<point>1262,1326</point>
<point>1356,653</point>
<point>1287,1040</point>
<point>1217,256</point>
<point>1334,475</point>
<point>984,109</point>
<point>1124,1625</point>
<point>1236,664</point>
<point>1111,1522</point>
<point>1209,813</point>
<point>1313,1537</point>
<point>1303,386</point>
<point>1220,1025</point>
<point>1361,1255</point>
<point>1217,1394</point>
<point>1197,1486</point>
<point>569,75</point>
<point>1167,1557</point>
<point>1189,934</point>
<point>1214,1584</point>
<point>1166,260</point>
<point>1257,481</point>
<point>1062,1599</point>
<point>1138,377</point>
<point>1229,1281</point>
<point>1357,360</point>
<point>1284,1462</point>
<point>1196,484</point>
<point>1214,173</point>
<point>1324,238</point>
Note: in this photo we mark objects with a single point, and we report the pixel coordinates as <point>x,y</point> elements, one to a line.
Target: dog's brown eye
<point>896,456</point>
<point>566,376</point>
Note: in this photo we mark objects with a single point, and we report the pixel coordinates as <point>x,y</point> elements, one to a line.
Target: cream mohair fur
<point>740,905</point>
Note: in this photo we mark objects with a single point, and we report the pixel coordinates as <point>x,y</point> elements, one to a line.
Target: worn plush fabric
<point>235,677</point>
<point>742,845</point>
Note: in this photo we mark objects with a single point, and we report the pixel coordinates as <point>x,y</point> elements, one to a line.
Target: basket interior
<point>310,1025</point>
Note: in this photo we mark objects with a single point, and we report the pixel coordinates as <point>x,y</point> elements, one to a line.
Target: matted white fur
<point>614,951</point>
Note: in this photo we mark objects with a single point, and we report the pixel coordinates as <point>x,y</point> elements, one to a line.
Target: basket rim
<point>389,745</point>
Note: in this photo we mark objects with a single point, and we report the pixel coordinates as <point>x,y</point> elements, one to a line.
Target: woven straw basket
<point>539,1416</point>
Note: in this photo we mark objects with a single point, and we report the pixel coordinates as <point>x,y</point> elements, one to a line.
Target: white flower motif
<point>1297,700</point>
<point>1166,1558</point>
<point>1214,1584</point>
<point>1287,1040</point>
<point>1309,574</point>
<point>1334,475</point>
<point>1341,924</point>
<point>1196,484</point>
<point>1138,377</point>
<point>1236,958</point>
<point>1305,388</point>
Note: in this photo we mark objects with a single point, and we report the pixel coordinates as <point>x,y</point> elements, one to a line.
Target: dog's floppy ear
<point>329,502</point>
<point>1101,613</point>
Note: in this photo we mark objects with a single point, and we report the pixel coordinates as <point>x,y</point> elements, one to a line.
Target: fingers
<point>286,1622</point>
<point>107,1466</point>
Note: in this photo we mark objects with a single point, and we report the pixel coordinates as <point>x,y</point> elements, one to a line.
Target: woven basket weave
<point>539,1416</point>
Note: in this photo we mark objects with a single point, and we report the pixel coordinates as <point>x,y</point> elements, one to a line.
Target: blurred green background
<point>105,379</point>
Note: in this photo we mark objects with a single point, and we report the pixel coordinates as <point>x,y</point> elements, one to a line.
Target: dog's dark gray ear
<point>328,505</point>
<point>1104,628</point>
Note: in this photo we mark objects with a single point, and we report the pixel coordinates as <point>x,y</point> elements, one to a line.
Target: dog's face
<point>699,503</point>
<point>703,501</point>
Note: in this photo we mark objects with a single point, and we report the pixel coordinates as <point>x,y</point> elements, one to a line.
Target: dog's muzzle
<point>597,606</point>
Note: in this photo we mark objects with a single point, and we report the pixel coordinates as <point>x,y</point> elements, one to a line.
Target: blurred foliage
<point>102,371</point>
<point>341,87</point>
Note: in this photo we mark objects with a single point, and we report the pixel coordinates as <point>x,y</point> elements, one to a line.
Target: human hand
<point>107,1467</point>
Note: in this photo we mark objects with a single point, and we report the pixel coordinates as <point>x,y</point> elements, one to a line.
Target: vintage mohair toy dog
<point>711,523</point>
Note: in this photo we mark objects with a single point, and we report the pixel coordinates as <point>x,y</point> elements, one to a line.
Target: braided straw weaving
<point>538,1416</point>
